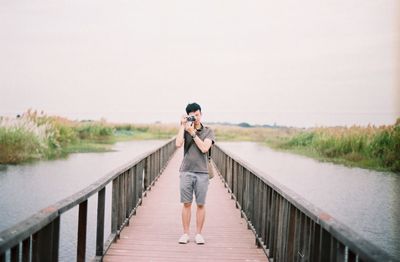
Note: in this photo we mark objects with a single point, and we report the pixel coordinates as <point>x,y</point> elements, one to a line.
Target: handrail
<point>37,237</point>
<point>287,226</point>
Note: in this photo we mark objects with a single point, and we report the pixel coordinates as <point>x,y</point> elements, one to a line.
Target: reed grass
<point>254,134</point>
<point>368,147</point>
<point>144,131</point>
<point>38,136</point>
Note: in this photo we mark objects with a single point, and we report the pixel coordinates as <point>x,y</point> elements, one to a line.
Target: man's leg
<point>201,188</point>
<point>200,217</point>
<point>186,191</point>
<point>201,193</point>
<point>186,214</point>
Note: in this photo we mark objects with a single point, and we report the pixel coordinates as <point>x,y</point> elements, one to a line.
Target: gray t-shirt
<point>194,160</point>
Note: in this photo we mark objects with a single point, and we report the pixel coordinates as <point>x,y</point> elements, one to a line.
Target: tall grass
<point>94,131</point>
<point>255,134</point>
<point>145,131</point>
<point>18,145</point>
<point>22,139</point>
<point>38,136</point>
<point>371,147</point>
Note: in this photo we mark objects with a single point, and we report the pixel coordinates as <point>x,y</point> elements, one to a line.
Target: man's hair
<point>193,107</point>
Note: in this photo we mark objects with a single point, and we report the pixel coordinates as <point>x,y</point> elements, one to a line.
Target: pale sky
<point>297,63</point>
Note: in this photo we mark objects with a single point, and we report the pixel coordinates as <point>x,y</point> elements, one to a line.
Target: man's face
<point>197,114</point>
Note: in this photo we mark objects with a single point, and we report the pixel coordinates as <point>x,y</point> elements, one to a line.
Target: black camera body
<point>191,118</point>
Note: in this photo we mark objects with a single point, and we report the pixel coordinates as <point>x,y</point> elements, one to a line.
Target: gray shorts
<point>196,183</point>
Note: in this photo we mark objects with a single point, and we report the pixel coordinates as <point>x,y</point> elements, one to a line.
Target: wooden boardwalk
<point>154,232</point>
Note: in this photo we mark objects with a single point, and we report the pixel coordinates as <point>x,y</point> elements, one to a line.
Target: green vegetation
<point>143,132</point>
<point>33,136</point>
<point>253,134</point>
<point>19,144</point>
<point>370,147</point>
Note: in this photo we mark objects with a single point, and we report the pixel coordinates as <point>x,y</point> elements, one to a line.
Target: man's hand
<point>180,137</point>
<point>189,127</point>
<point>184,120</point>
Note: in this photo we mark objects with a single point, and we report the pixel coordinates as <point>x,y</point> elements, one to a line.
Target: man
<point>197,140</point>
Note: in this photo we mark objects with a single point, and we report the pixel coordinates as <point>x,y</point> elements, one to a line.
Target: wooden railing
<point>37,238</point>
<point>286,226</point>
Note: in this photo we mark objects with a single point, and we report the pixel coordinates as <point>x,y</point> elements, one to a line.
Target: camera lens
<point>191,118</point>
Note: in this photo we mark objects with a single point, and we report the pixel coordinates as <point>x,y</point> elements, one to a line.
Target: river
<point>366,201</point>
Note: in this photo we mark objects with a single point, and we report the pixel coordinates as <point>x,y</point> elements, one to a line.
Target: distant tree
<point>244,124</point>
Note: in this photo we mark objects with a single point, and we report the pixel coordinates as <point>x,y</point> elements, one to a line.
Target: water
<point>25,189</point>
<point>366,201</point>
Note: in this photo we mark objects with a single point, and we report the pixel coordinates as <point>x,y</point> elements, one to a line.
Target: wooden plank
<point>154,232</point>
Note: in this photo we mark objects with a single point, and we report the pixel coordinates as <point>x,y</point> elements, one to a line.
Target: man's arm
<point>205,145</point>
<point>180,136</point>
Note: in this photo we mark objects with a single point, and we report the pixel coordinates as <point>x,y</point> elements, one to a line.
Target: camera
<point>191,118</point>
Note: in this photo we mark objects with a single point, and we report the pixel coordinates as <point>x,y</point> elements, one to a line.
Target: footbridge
<point>249,217</point>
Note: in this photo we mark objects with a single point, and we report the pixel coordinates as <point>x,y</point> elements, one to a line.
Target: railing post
<point>239,198</point>
<point>264,213</point>
<point>120,202</point>
<point>351,257</point>
<point>141,176</point>
<point>132,197</point>
<point>325,245</point>
<point>272,225</point>
<point>234,179</point>
<point>100,222</point>
<point>56,238</point>
<point>340,256</point>
<point>45,242</point>
<point>254,204</point>
<point>246,193</point>
<point>26,250</point>
<point>147,171</point>
<point>251,198</point>
<point>259,212</point>
<point>291,233</point>
<point>124,197</point>
<point>82,225</point>
<point>114,206</point>
<point>15,253</point>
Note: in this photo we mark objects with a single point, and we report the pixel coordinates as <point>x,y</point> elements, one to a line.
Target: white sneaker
<point>184,239</point>
<point>199,239</point>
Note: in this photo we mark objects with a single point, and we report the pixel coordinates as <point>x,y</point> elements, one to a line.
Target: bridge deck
<point>154,232</point>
